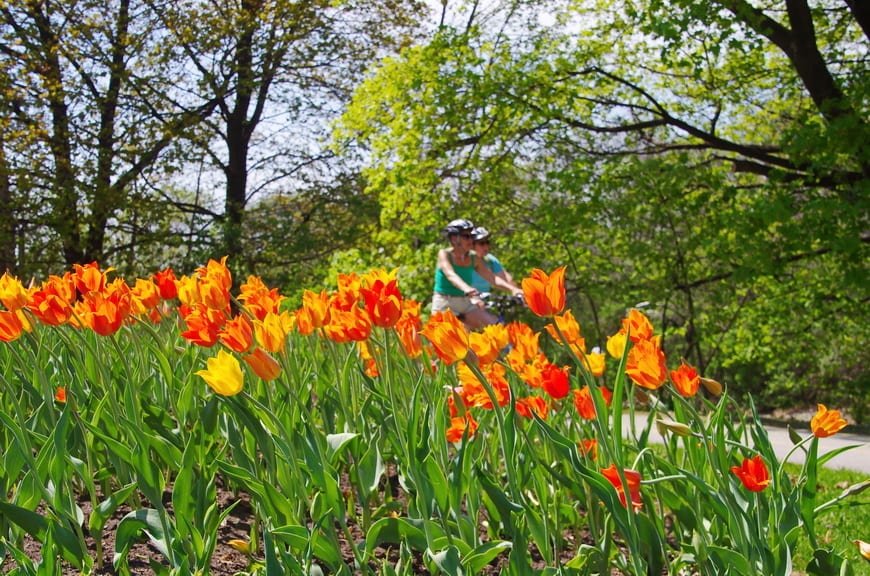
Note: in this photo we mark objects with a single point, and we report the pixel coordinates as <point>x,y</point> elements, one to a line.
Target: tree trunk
<point>65,217</point>
<point>7,217</point>
<point>106,196</point>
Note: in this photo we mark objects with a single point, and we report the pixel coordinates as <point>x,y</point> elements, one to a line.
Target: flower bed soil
<point>227,561</point>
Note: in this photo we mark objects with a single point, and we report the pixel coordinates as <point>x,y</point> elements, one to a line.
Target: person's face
<point>463,240</point>
<point>482,246</point>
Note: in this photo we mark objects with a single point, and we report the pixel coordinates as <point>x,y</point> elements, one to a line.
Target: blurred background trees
<point>707,159</point>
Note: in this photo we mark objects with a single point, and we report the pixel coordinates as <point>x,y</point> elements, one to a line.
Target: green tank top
<point>444,286</point>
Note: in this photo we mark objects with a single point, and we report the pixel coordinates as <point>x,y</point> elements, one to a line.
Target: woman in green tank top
<point>453,277</point>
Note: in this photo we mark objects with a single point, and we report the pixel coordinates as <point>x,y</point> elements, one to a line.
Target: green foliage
<point>681,157</point>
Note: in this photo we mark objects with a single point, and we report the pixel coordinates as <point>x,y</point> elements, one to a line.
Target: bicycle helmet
<point>458,226</point>
<point>479,233</point>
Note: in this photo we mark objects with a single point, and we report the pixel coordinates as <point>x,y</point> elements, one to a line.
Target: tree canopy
<point>707,157</point>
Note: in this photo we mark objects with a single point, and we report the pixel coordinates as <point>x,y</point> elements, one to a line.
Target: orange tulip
<point>10,326</point>
<point>632,479</point>
<point>314,312</point>
<point>448,336</point>
<point>253,285</point>
<point>686,379</point>
<point>49,308</point>
<point>524,342</point>
<point>408,330</point>
<point>348,325</point>
<point>166,284</point>
<point>532,372</point>
<point>223,374</point>
<point>237,334</point>
<point>13,295</point>
<point>589,447</point>
<point>352,282</point>
<point>263,364</point>
<point>203,325</point>
<point>188,290</point>
<point>584,403</point>
<point>827,422</point>
<point>383,302</point>
<point>485,347</point>
<point>530,405</point>
<point>145,296</point>
<point>545,294</point>
<point>217,272</point>
<point>555,381</point>
<point>104,313</point>
<point>60,394</point>
<point>271,331</point>
<point>258,299</point>
<point>474,394</point>
<point>89,278</point>
<point>370,278</point>
<point>570,329</point>
<point>215,295</point>
<point>753,473</point>
<point>646,364</point>
<point>458,425</point>
<point>637,325</point>
<point>371,363</point>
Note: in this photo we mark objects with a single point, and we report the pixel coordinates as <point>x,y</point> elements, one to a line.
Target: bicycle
<point>500,304</point>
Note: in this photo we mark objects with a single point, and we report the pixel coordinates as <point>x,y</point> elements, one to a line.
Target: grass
<point>838,527</point>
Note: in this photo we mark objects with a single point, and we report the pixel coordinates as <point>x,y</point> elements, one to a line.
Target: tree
<point>279,71</point>
<point>707,154</point>
<point>89,109</point>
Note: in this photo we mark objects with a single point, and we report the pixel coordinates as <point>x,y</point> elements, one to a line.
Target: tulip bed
<point>359,439</point>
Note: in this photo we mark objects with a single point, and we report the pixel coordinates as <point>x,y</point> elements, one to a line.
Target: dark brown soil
<point>227,561</point>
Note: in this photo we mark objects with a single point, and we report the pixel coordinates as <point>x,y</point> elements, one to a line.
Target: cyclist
<point>453,289</point>
<point>480,237</point>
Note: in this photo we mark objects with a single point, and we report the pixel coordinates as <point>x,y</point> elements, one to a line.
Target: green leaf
<point>209,415</point>
<point>107,507</point>
<point>300,539</point>
<point>728,559</point>
<point>370,468</point>
<point>396,531</point>
<point>39,527</point>
<point>282,509</point>
<point>149,477</point>
<point>437,482</point>
<point>826,562</point>
<point>34,524</point>
<point>447,561</point>
<point>588,555</point>
<point>336,442</point>
<point>131,526</point>
<point>484,554</point>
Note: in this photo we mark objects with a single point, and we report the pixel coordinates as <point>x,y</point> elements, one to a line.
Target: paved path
<point>857,459</point>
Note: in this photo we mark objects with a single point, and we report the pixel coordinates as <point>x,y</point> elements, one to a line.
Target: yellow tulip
<point>224,374</point>
<point>616,345</point>
<point>827,422</point>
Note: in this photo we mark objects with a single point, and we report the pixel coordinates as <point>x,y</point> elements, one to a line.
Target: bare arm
<point>495,279</point>
<point>506,276</point>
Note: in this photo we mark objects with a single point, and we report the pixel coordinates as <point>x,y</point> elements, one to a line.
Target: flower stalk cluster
<point>171,382</point>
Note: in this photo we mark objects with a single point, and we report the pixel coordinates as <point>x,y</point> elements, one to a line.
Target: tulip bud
<point>672,426</point>
<point>712,386</point>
